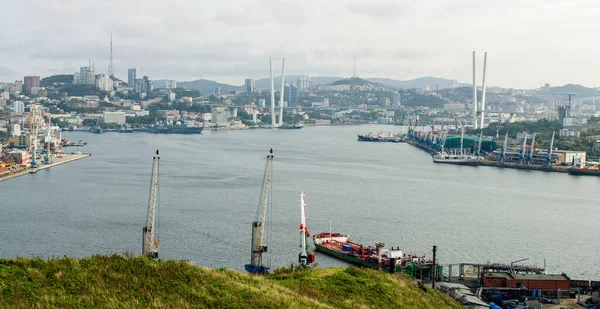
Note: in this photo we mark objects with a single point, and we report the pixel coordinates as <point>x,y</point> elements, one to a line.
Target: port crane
<point>530,155</point>
<point>258,226</point>
<point>549,157</point>
<point>150,245</point>
<point>35,120</point>
<point>503,153</point>
<point>304,258</point>
<point>48,138</point>
<point>522,152</point>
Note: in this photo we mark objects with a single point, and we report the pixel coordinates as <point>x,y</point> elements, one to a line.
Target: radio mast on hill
<point>354,74</point>
<point>111,73</point>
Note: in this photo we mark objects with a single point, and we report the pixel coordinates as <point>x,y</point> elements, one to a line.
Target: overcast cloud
<point>528,42</point>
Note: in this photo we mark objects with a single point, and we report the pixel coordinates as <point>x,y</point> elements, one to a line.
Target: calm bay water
<point>210,187</point>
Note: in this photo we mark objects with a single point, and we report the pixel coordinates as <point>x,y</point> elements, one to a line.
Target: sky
<point>529,42</point>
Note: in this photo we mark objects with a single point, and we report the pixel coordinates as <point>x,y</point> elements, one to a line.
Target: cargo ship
<point>372,137</point>
<point>578,169</point>
<point>178,128</point>
<point>391,260</point>
<point>456,159</point>
<point>368,138</point>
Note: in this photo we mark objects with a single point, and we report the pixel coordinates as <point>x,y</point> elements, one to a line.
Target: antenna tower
<point>354,75</point>
<point>111,73</point>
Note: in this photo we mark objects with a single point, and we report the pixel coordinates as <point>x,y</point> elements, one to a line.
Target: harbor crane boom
<point>503,153</point>
<point>304,258</point>
<point>258,226</point>
<point>150,245</point>
<point>549,157</point>
<point>532,146</point>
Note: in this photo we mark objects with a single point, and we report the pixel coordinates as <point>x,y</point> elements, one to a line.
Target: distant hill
<point>413,83</point>
<point>579,90</point>
<point>416,83</point>
<point>265,83</point>
<point>354,81</point>
<point>204,86</point>
<point>64,78</point>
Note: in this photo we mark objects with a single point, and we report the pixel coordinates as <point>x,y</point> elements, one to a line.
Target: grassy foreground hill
<point>136,282</point>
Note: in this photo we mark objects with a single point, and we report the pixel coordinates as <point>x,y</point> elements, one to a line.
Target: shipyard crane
<point>258,226</point>
<point>304,258</point>
<point>150,245</point>
<point>503,153</point>
<point>549,157</point>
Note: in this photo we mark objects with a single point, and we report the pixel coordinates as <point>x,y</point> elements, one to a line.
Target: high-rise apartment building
<point>19,107</point>
<point>290,95</point>
<point>139,86</point>
<point>303,82</point>
<point>132,75</point>
<point>104,82</point>
<point>148,85</point>
<point>249,85</point>
<point>86,76</point>
<point>30,82</point>
<point>170,84</point>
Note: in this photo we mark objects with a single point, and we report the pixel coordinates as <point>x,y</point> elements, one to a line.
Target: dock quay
<point>531,167</point>
<point>66,158</point>
<point>492,159</point>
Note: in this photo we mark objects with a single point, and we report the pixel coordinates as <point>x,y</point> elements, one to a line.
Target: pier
<point>66,158</point>
<point>492,160</point>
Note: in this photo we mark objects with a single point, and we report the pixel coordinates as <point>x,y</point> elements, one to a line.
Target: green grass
<point>137,282</point>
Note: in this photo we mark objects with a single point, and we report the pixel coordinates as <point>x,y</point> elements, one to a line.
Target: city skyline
<point>398,40</point>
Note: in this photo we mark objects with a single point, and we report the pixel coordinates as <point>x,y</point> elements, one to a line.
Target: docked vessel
<point>373,137</point>
<point>391,260</point>
<point>291,127</point>
<point>368,138</point>
<point>578,169</point>
<point>124,129</point>
<point>456,159</point>
<point>177,128</point>
<point>96,129</point>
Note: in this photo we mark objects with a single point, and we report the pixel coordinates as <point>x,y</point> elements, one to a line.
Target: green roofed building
<point>470,142</point>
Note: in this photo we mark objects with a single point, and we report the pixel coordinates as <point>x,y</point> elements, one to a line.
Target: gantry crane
<point>258,226</point>
<point>150,245</point>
